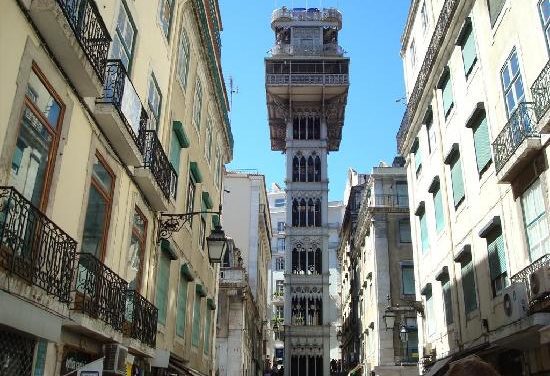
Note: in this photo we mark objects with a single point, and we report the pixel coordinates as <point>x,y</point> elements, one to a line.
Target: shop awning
<point>438,366</point>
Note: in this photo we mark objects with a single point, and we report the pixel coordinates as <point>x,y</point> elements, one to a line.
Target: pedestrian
<point>471,366</point>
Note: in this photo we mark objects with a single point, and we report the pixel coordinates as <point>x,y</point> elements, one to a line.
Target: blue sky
<point>371,36</point>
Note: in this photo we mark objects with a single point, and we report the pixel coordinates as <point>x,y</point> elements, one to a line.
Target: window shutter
<point>438,205</point>
<point>447,92</point>
<point>417,155</point>
<point>424,232</point>
<point>196,319</point>
<point>163,278</point>
<point>207,331</point>
<point>175,149</point>
<point>469,51</point>
<point>447,298</point>
<point>182,306</point>
<point>482,145</point>
<point>458,183</point>
<point>497,255</point>
<point>469,287</point>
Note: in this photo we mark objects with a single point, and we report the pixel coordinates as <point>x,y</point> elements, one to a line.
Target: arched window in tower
<point>316,128</point>
<point>310,213</point>
<point>298,261</point>
<point>302,169</point>
<point>295,213</point>
<point>303,128</point>
<point>310,169</point>
<point>311,261</point>
<point>318,213</point>
<point>317,171</point>
<point>302,213</point>
<point>295,168</point>
<point>319,261</point>
<point>306,128</point>
<point>296,128</point>
<point>310,123</point>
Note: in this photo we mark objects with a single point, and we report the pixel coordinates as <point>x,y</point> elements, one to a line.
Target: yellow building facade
<point>113,115</point>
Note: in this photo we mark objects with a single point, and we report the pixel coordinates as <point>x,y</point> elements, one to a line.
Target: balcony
<point>78,38</point>
<point>384,202</point>
<point>329,49</point>
<point>307,79</point>
<point>33,247</point>
<point>516,143</point>
<point>140,319</point>
<point>285,15</point>
<point>99,292</point>
<point>120,114</point>
<point>537,280</point>
<point>540,92</point>
<point>157,178</point>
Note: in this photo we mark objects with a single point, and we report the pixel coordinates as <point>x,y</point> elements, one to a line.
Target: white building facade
<point>475,136</point>
<point>307,84</point>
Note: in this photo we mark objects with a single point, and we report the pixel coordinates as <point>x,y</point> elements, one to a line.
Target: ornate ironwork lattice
<point>16,354</point>
<point>157,162</point>
<point>140,318</point>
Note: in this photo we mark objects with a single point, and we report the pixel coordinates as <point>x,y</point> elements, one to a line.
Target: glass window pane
<point>43,100</point>
<point>102,176</point>
<point>407,275</point>
<point>94,223</point>
<point>518,86</point>
<point>545,10</point>
<point>514,64</point>
<point>505,77</point>
<point>134,263</point>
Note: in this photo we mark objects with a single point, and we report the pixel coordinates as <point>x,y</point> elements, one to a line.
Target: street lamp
<point>217,243</point>
<point>389,319</point>
<point>404,334</point>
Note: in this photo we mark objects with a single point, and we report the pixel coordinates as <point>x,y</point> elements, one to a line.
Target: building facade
<point>243,310</point>
<point>114,115</point>
<point>307,84</point>
<point>475,137</point>
<point>386,275</point>
<point>277,207</point>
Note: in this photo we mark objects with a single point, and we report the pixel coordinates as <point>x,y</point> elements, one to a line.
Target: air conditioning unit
<point>515,303</point>
<point>539,282</point>
<point>115,359</point>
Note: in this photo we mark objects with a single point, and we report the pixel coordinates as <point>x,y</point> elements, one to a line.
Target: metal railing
<point>540,90</point>
<point>390,201</point>
<point>155,159</point>
<point>33,247</point>
<point>442,27</point>
<point>90,31</point>
<point>520,126</point>
<point>120,92</point>
<point>140,318</point>
<point>307,79</point>
<point>99,292</point>
<point>330,49</point>
<point>303,14</point>
<point>523,275</point>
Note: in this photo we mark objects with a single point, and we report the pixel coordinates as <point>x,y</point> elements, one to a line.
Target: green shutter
<point>469,287</point>
<point>424,232</point>
<point>438,207</point>
<point>407,276</point>
<point>458,183</point>
<point>40,358</point>
<point>497,254</point>
<point>182,306</point>
<point>417,155</point>
<point>447,96</point>
<point>195,335</point>
<point>175,149</point>
<point>196,172</point>
<point>482,145</point>
<point>469,51</point>
<point>207,331</point>
<point>207,200</point>
<point>163,279</point>
<point>447,299</point>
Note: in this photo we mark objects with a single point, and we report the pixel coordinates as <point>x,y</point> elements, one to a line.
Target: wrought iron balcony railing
<point>540,90</point>
<point>307,79</point>
<point>389,201</point>
<point>90,31</point>
<point>99,292</point>
<point>33,247</point>
<point>140,318</point>
<point>520,126</point>
<point>442,27</point>
<point>157,162</point>
<point>303,14</point>
<point>330,49</point>
<point>120,92</point>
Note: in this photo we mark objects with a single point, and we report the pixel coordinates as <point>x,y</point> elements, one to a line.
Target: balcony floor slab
<point>519,159</point>
<point>152,191</point>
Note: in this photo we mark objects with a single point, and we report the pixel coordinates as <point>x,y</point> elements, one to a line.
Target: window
<point>280,311</point>
<point>124,37</point>
<point>280,226</point>
<point>165,16</point>
<point>438,208</point>
<point>412,54</point>
<point>191,188</point>
<point>182,305</point>
<point>446,88</point>
<point>430,313</point>
<point>417,156</point>
<point>306,213</point>
<point>280,263</point>
<point>431,132</point>
<point>424,18</point>
<point>137,250</point>
<point>154,100</point>
<point>163,281</point>
<point>407,280</point>
<point>35,150</point>
<point>468,46</point>
<point>457,179</point>
<point>447,300</point>
<point>197,105</point>
<point>410,347</point>
<point>306,128</point>
<point>535,221</point>
<point>424,236</point>
<point>512,83</point>
<point>208,143</point>
<point>175,151</point>
<point>280,202</point>
<point>96,223</point>
<point>207,330</point>
<point>281,244</point>
<point>404,231</point>
<point>183,58</point>
<point>482,144</point>
<point>196,330</point>
<point>495,7</point>
<point>497,261</point>
<point>299,168</point>
<point>468,285</point>
<point>279,286</point>
<point>402,194</point>
<point>306,261</point>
